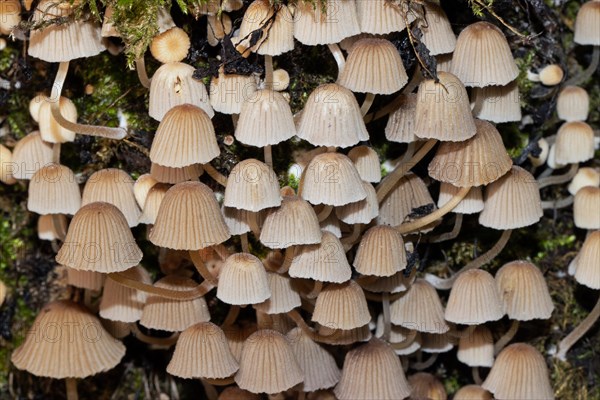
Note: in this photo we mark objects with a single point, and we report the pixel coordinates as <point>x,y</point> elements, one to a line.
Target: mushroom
<point>587,33</point>
<point>120,303</point>
<point>426,385</point>
<point>550,75</point>
<point>243,280</point>
<point>573,104</point>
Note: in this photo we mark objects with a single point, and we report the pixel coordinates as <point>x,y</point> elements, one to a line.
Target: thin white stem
<point>338,55</point>
<point>387,318</point>
<point>367,103</point>
<point>268,155</point>
<point>216,175</point>
<point>140,68</point>
<point>507,337</point>
<point>71,386</point>
<point>589,71</point>
<point>558,179</point>
<point>578,332</point>
<point>268,72</point>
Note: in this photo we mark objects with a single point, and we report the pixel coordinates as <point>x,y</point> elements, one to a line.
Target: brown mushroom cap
<point>253,186</point>
<point>585,208</point>
<point>170,46</point>
<point>574,143</point>
<point>420,309</point>
<point>380,252</point>
<point>587,28</point>
<point>313,26</point>
<point>324,262</point>
<point>477,348</point>
<point>474,299</point>
<point>121,303</point>
<point>54,190</point>
<point>281,228</point>
<point>498,103</point>
<point>30,154</point>
<point>573,104</point>
<point>426,386</point>
<point>342,306</point>
<point>277,37</point>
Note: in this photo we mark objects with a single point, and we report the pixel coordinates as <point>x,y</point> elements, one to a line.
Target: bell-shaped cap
<point>54,190</point>
<point>474,299</point>
<point>342,306</point>
<point>243,280</point>
<point>323,262</point>
<point>380,252</point>
<point>253,186</point>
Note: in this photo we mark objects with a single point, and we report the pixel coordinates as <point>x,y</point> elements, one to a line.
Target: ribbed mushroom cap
<point>228,91</point>
<point>30,154</point>
<point>54,190</point>
<point>235,393</point>
<point>73,344</point>
<point>380,252</point>
<point>342,306</point>
<point>113,186</point>
<point>99,240</point>
<point>438,36</point>
<point>409,194</point>
<point>587,24</point>
<point>117,329</point>
<point>153,201</point>
<point>573,104</point>
<point>85,279</point>
<point>331,179</point>
<point>426,386</point>
<point>277,37</point>
<point>323,262</point>
<point>482,57</point>
<point>34,105</point>
<point>202,352</point>
<point>50,130</point>
<point>265,119</point>
<point>380,17</point>
<point>471,204</point>
<point>175,175</point>
<point>584,177</point>
<point>401,123</point>
<point>498,103</point>
<point>189,218</point>
<point>6,166</point>
<point>278,322</point>
<point>399,334</point>
<point>281,228</point>
<point>367,163</point>
<point>46,226</point>
<point>520,372</point>
<point>551,159</point>
<point>174,315</point>
<point>312,26</point>
<point>512,201</point>
<point>170,46</point>
<point>243,280</point>
<point>217,27</point>
<point>373,66</point>
<point>332,224</point>
<point>172,85</point>
<point>391,284</point>
<point>236,337</point>
<point>419,309</point>
<point>360,212</point>
<point>332,117</point>
<point>372,371</point>
<point>474,299</point>
<point>574,143</point>
<point>185,136</point>
<point>435,343</point>
<point>474,162</point>
<point>585,208</point>
<point>319,367</point>
<point>268,364</point>
<point>477,348</point>
<point>444,62</point>
<point>283,296</point>
<point>121,303</point>
<point>252,185</point>
<point>344,337</point>
<point>443,110</point>
<point>586,262</point>
<point>62,42</point>
<point>237,220</point>
<point>472,392</point>
<point>10,15</point>
<point>141,187</point>
<point>524,291</point>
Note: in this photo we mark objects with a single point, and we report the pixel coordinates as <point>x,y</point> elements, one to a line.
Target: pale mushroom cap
<point>573,104</point>
<point>342,306</point>
<point>268,364</point>
<point>202,352</point>
<point>74,345</point>
<point>380,252</point>
<point>153,201</point>
<point>243,280</point>
<point>10,15</point>
<point>435,343</point>
<point>278,36</point>
<point>585,208</point>
<point>189,218</point>
<point>121,303</point>
<point>512,201</point>
<point>392,284</point>
<point>313,27</point>
<point>141,187</point>
<point>426,386</point>
<point>482,57</point>
<point>443,110</point>
<point>346,336</point>
<point>399,334</point>
<point>170,46</point>
<point>586,262</point>
<point>237,220</point>
<point>524,291</point>
<point>587,24</point>
<point>85,279</point>
<point>54,190</point>
<point>472,392</point>
<point>113,186</point>
<point>228,92</point>
<point>372,371</point>
<point>49,226</point>
<point>574,143</point>
<point>551,75</point>
<point>217,27</point>
<point>380,17</point>
<point>471,204</point>
<point>420,309</point>
<point>50,130</point>
<point>367,163</point>
<point>331,179</point>
<point>253,186</point>
<point>401,123</point>
<point>477,348</point>
<point>438,36</point>
<point>360,212</point>
<point>91,238</point>
<point>29,155</point>
<point>6,166</point>
<point>283,296</point>
<point>333,109</point>
<point>175,175</point>
<point>281,228</point>
<point>474,299</point>
<point>409,194</point>
<point>173,85</point>
<point>520,372</point>
<point>498,103</point>
<point>585,176</point>
<point>373,66</point>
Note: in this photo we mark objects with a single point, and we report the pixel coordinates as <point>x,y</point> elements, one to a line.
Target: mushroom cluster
<point>318,290</point>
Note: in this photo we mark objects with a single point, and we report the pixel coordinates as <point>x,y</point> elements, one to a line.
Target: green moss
<point>524,64</point>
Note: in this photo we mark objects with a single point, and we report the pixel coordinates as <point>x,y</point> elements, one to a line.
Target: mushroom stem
<point>268,152</point>
<point>468,331</point>
<point>367,103</point>
<point>387,317</point>
<point>209,390</point>
<point>253,223</point>
<point>558,179</point>
<point>316,290</point>
<point>507,337</point>
<point>268,72</point>
<point>59,229</point>
<point>189,294</point>
<point>421,365</point>
<point>401,169</point>
<point>410,338</point>
<point>476,377</point>
<point>578,332</point>
<point>71,386</point>
<point>245,243</point>
<point>91,130</point>
<point>442,237</point>
<point>219,381</point>
<point>140,68</point>
<point>556,204</point>
<point>392,106</point>
<point>232,315</point>
<point>338,55</point>
<point>437,214</point>
<point>316,337</point>
<point>446,284</point>
<point>589,71</point>
<point>324,213</point>
<point>216,175</point>
<point>287,261</point>
<point>202,269</point>
<point>163,342</point>
<point>56,153</point>
<point>354,236</point>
